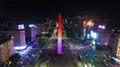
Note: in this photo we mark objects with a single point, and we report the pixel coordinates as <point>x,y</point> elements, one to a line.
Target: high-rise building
<point>6,48</point>
<point>18,37</point>
<point>114,44</point>
<point>31,31</point>
<point>103,37</point>
<point>23,34</point>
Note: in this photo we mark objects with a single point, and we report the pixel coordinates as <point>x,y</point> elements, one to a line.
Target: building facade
<point>18,37</point>
<point>6,48</point>
<point>31,31</point>
<point>103,37</point>
<point>114,45</point>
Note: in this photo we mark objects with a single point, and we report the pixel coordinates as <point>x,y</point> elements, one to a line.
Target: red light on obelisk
<point>59,44</point>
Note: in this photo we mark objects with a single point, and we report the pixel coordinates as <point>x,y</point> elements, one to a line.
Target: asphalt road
<point>69,57</point>
<point>63,60</point>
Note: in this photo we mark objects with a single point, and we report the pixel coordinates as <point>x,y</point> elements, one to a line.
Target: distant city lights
<point>32,26</point>
<point>88,35</point>
<point>84,23</point>
<point>101,26</point>
<point>93,35</point>
<point>21,26</point>
<point>93,42</point>
<point>20,47</point>
<point>89,23</point>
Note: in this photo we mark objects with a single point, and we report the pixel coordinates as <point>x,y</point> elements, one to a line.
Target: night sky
<point>103,8</point>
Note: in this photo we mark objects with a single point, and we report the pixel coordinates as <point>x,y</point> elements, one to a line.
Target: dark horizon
<point>102,10</point>
<point>53,7</point>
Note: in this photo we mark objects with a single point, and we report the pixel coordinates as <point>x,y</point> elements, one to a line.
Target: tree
<point>15,58</point>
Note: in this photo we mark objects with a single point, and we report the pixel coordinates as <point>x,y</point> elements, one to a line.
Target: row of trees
<point>14,61</point>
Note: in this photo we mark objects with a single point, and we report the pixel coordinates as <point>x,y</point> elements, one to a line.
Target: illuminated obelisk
<point>59,43</point>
